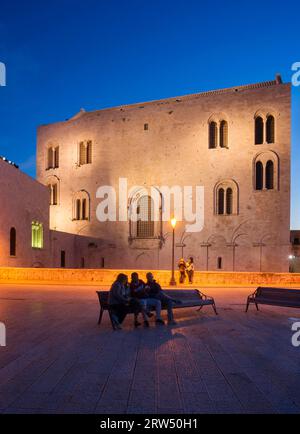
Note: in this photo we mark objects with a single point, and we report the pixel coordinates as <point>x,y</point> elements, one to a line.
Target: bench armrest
<point>204,296</point>
<point>254,294</point>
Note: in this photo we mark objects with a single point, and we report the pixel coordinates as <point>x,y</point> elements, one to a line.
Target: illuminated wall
<point>174,150</point>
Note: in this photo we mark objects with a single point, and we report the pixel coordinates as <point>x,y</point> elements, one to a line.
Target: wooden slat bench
<point>284,297</point>
<point>188,297</point>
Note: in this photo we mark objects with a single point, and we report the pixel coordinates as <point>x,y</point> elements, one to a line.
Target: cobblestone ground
<point>57,360</point>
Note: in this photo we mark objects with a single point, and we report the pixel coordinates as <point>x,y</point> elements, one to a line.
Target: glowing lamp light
<point>173,222</point>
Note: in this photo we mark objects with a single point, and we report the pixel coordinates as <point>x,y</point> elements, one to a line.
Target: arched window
<point>270,175</point>
<point>85,152</point>
<point>259,175</point>
<point>37,236</point>
<point>259,130</point>
<point>81,206</point>
<point>226,198</point>
<point>221,201</point>
<point>53,157</point>
<point>213,134</point>
<point>53,190</point>
<point>223,134</point>
<point>229,194</point>
<point>145,222</point>
<point>53,187</point>
<point>270,129</point>
<point>12,242</point>
<point>266,167</point>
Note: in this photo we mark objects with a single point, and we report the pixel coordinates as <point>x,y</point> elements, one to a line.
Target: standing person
<point>190,269</point>
<point>182,268</point>
<point>155,291</point>
<point>139,291</point>
<point>120,302</point>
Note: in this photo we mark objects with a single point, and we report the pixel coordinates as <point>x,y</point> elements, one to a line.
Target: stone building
<point>234,142</point>
<point>25,237</point>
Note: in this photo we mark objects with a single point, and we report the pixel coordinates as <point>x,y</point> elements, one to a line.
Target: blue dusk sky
<point>62,55</point>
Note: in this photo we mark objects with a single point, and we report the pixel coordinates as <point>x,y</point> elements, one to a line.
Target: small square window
<point>146,127</point>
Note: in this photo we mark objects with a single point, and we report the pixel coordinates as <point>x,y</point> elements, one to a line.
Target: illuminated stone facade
<point>235,142</point>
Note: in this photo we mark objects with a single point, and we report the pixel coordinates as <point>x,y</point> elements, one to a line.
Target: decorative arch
<point>265,126</point>
<point>81,205</point>
<point>53,184</point>
<point>266,171</point>
<point>141,258</point>
<point>145,213</point>
<point>226,197</point>
<point>218,131</point>
<point>52,156</point>
<point>85,152</point>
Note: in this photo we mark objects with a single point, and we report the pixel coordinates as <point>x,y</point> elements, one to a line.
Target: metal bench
<point>188,297</point>
<point>284,297</point>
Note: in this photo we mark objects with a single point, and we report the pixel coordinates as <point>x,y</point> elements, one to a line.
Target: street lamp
<point>173,224</point>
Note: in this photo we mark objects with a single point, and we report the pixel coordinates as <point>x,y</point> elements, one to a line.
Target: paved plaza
<point>58,360</point>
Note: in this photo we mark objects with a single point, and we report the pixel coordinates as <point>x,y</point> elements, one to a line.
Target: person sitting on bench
<point>120,303</point>
<point>138,291</point>
<point>155,291</point>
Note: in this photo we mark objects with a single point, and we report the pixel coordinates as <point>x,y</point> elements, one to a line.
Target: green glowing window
<point>37,239</point>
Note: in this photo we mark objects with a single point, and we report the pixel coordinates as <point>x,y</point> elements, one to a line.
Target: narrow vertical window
<point>270,175</point>
<point>259,175</point>
<point>50,158</point>
<point>229,201</point>
<point>219,263</point>
<point>221,201</point>
<point>259,130</point>
<point>50,193</point>
<point>223,134</point>
<point>84,210</point>
<point>37,235</point>
<point>54,194</point>
<point>213,134</point>
<point>270,129</point>
<point>82,153</point>
<point>78,209</point>
<point>13,242</point>
<point>89,152</point>
<point>56,157</point>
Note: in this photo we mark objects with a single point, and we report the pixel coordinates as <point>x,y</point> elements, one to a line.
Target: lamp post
<point>173,224</point>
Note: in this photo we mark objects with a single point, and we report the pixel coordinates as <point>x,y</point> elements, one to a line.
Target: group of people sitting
<point>186,268</point>
<point>139,297</point>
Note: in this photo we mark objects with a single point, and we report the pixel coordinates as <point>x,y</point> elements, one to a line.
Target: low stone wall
<point>106,277</point>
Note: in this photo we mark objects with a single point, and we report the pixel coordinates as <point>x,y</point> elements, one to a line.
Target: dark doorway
<point>62,258</point>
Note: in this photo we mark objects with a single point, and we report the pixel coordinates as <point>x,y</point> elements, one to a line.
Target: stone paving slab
<point>58,360</point>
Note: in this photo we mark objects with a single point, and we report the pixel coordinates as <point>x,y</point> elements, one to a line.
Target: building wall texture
<point>22,201</point>
<point>173,151</point>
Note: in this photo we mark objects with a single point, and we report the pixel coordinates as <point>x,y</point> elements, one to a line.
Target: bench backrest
<point>179,294</point>
<point>278,293</point>
<point>103,298</point>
